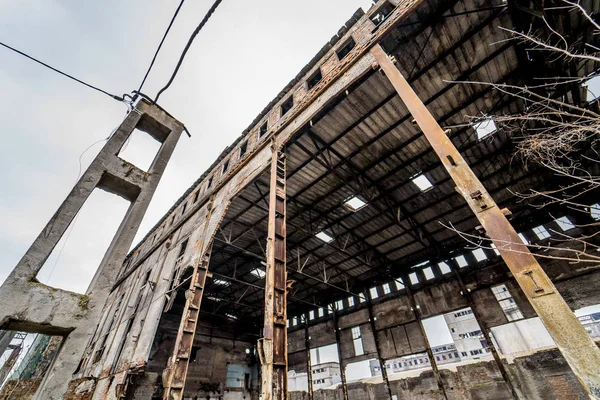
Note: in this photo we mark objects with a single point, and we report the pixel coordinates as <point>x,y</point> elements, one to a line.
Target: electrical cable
<point>160,45</point>
<point>187,46</point>
<point>65,74</point>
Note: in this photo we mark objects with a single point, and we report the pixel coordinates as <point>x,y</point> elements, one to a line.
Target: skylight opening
<point>523,239</point>
<point>541,232</point>
<point>485,128</point>
<point>324,237</point>
<point>461,261</point>
<point>221,282</point>
<point>355,203</point>
<point>564,223</point>
<point>231,316</point>
<point>595,211</point>
<point>259,273</point>
<point>593,88</point>
<point>428,272</point>
<point>479,255</point>
<point>422,182</point>
<point>444,268</point>
<point>413,278</point>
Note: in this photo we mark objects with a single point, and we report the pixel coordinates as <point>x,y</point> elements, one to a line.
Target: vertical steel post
<point>308,361</point>
<point>384,374</point>
<point>176,372</point>
<point>579,350</point>
<point>339,349</point>
<point>417,314</point>
<point>272,348</point>
<point>483,326</point>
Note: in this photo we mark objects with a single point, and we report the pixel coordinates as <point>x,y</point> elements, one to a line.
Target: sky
<point>240,61</point>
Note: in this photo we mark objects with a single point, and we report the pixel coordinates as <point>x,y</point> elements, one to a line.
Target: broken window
<point>346,48</point>
<point>382,13</point>
<point>259,273</point>
<point>507,303</point>
<point>541,232</point>
<point>263,129</point>
<point>314,79</point>
<point>362,298</point>
<point>183,247</point>
<point>287,105</point>
<point>357,340</point>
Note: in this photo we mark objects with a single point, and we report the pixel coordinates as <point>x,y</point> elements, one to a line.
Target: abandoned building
<point>326,239</point>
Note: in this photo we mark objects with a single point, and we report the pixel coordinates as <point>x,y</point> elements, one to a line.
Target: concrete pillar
<point>34,307</point>
<point>575,344</point>
<point>384,374</point>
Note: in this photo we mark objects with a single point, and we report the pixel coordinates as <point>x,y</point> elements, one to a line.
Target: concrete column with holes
<point>272,348</point>
<point>578,348</point>
<point>30,306</point>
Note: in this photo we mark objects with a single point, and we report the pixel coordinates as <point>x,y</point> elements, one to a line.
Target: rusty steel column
<point>308,363</point>
<point>272,348</point>
<point>483,326</point>
<point>572,340</point>
<point>176,371</point>
<point>384,374</point>
<point>339,350</point>
<point>415,309</point>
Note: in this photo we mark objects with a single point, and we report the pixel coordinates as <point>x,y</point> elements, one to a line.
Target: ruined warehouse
<point>311,259</point>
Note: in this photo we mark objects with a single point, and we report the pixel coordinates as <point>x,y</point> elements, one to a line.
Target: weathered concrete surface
<point>22,389</point>
<point>33,307</point>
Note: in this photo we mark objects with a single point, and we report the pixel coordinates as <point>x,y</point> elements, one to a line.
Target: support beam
<point>340,356</point>
<point>176,371</point>
<point>579,350</point>
<point>308,361</point>
<point>415,309</point>
<point>384,374</point>
<point>272,348</point>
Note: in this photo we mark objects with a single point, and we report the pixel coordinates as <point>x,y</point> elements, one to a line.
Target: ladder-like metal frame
<point>176,372</point>
<point>272,347</point>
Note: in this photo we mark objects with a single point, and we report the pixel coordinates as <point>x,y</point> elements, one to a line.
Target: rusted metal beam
<point>176,371</point>
<point>272,348</point>
<point>579,350</point>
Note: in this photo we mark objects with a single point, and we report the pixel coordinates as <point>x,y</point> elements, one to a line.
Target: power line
<point>63,73</point>
<point>160,45</point>
<point>187,46</point>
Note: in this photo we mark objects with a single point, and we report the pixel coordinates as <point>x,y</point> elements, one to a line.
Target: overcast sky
<point>245,55</point>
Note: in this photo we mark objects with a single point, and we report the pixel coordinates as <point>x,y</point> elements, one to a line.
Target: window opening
<point>314,79</point>
<point>357,340</point>
<point>386,288</point>
<point>479,255</point>
<point>428,272</point>
<point>196,196</point>
<point>382,13</point>
<point>422,182</point>
<point>243,149</point>
<point>346,48</point>
<point>413,278</point>
<point>287,105</point>
<point>263,129</point>
<point>541,232</point>
<point>507,303</point>
<point>225,166</point>
<point>373,292</point>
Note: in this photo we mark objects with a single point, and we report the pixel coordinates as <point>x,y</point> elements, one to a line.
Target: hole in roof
<point>564,223</point>
<point>324,237</point>
<point>355,203</point>
<point>221,282</point>
<point>422,182</point>
<point>479,255</point>
<point>259,273</point>
<point>485,128</point>
<point>593,88</point>
<point>314,79</point>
